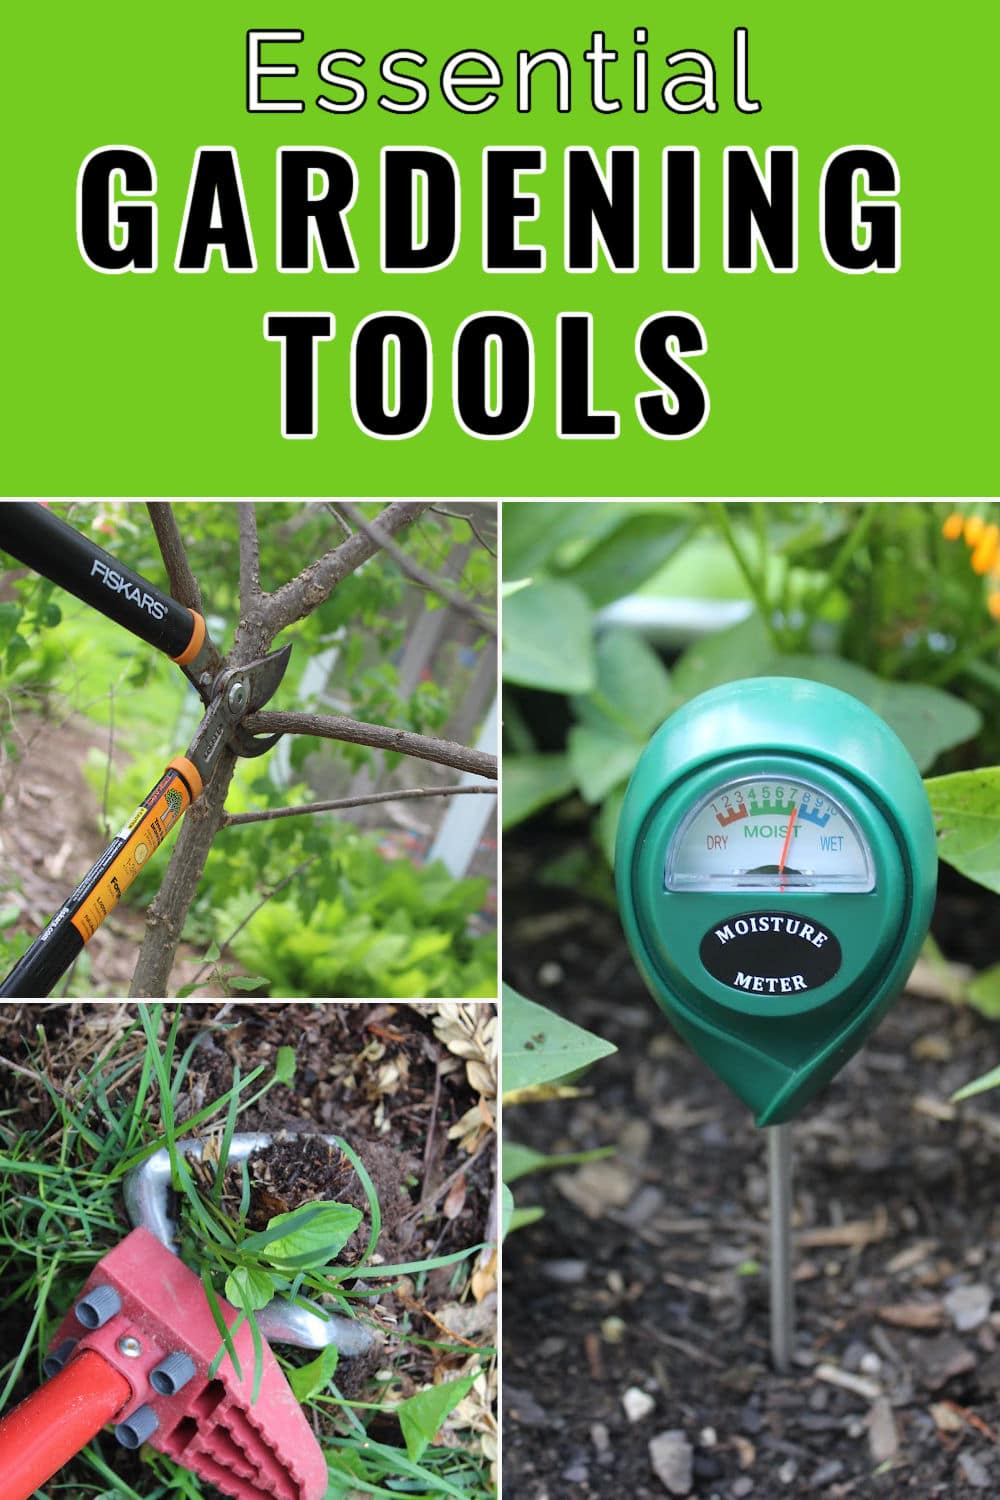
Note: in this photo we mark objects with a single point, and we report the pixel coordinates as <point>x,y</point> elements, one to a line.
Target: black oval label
<point>771,952</point>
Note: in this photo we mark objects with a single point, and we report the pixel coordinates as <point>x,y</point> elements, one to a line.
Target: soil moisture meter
<point>776,870</point>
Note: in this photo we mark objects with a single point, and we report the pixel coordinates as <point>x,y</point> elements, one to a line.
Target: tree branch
<point>230,820</point>
<point>315,583</point>
<point>165,917</point>
<point>419,574</point>
<point>250,590</point>
<point>380,736</point>
<point>183,584</point>
<point>457,515</point>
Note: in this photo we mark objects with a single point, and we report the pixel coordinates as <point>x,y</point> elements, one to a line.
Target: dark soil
<point>648,1272</point>
<point>376,1075</point>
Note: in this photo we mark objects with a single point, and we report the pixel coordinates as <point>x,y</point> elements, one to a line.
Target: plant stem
<point>755,585</point>
<point>855,537</point>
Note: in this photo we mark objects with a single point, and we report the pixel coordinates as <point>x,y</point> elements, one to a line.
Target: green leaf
<point>524,1216</point>
<point>547,639</point>
<point>927,720</point>
<point>990,1080</point>
<point>966,808</point>
<point>531,782</point>
<point>245,981</point>
<point>284,1065</point>
<point>17,651</point>
<point>249,1287</point>
<point>537,535</point>
<point>624,560</point>
<point>313,1377</point>
<point>212,954</point>
<point>506,1209</point>
<point>983,993</point>
<point>633,685</point>
<point>540,1047</point>
<point>607,823</point>
<point>316,1242</point>
<point>600,759</point>
<point>420,1416</point>
<point>10,615</point>
<point>519,1161</point>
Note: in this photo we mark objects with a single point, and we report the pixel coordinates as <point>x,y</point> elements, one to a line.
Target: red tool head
<point>146,1314</point>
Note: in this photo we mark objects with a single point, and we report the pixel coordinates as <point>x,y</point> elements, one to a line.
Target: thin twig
<point>183,584</point>
<point>443,1187</point>
<point>457,515</point>
<point>250,590</point>
<point>301,595</point>
<point>263,902</point>
<point>417,572</point>
<point>379,736</point>
<point>265,816</point>
<point>335,513</point>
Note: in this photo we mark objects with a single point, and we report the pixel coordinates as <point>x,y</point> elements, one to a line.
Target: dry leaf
<point>913,1315</point>
<point>455,1201</point>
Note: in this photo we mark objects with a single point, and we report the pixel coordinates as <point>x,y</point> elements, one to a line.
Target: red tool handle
<point>59,1419</point>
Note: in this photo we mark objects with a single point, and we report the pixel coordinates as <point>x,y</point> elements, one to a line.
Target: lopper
<point>137,1348</point>
<point>31,533</point>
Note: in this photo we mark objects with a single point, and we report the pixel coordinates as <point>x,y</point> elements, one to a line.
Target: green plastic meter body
<point>776,870</point>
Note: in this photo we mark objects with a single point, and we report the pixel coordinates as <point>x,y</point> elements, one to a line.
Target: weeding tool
<point>776,870</point>
<point>48,545</point>
<point>137,1349</point>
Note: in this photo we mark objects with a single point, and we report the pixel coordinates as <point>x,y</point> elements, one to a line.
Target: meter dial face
<point>769,833</point>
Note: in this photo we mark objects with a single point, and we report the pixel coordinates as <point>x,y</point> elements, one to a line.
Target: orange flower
<point>974,529</point>
<point>985,554</point>
<point>993,605</point>
<point>952,528</point>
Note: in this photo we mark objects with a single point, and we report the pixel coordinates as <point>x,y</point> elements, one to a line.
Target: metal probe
<point>779,1173</point>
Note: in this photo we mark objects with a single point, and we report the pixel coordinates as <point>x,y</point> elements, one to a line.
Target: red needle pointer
<point>788,840</point>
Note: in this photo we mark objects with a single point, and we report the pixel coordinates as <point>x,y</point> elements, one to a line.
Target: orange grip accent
<point>194,644</point>
<point>141,836</point>
<point>56,1421</point>
<point>189,771</point>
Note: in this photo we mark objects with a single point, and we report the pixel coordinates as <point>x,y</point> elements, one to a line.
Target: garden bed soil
<point>376,1075</point>
<point>648,1273</point>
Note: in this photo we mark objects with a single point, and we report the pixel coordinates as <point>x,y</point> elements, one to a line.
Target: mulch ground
<point>636,1311</point>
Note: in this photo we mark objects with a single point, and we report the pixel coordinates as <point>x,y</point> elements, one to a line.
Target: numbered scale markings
<point>771,834</point>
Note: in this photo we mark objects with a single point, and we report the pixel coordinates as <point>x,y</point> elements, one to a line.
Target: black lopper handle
<point>32,534</point>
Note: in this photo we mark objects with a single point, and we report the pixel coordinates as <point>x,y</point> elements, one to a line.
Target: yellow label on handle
<point>125,856</point>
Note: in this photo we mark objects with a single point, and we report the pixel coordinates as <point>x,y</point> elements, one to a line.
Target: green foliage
<point>354,923</point>
<point>421,1415</point>
<point>541,1054</point>
<point>540,1047</point>
<point>867,598</point>
<point>966,808</point>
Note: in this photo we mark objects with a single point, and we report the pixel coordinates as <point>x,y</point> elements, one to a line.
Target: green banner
<point>533,249</point>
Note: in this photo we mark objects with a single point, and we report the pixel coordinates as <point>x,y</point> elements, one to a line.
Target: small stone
<point>973,1471</point>
<point>616,1283</point>
<point>707,1437</point>
<point>826,1473</point>
<point>613,1330</point>
<point>565,1272</point>
<point>870,1364</point>
<point>550,974</point>
<point>637,1404</point>
<point>742,1487</point>
<point>883,1440</point>
<point>577,1473</point>
<point>788,1471</point>
<point>968,1306</point>
<point>672,1457</point>
<point>600,1437</point>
